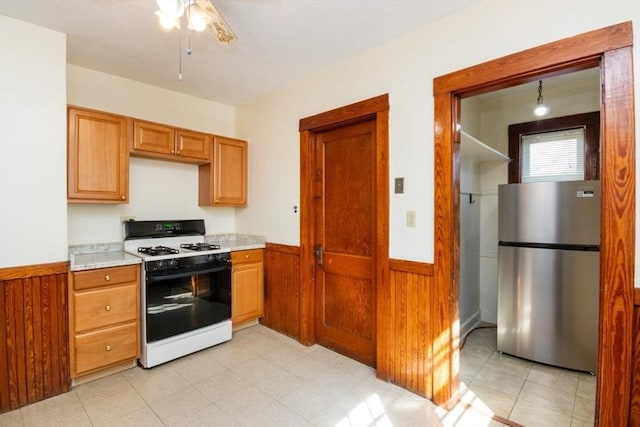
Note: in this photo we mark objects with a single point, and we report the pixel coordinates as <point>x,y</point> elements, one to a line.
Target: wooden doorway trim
<point>377,109</point>
<point>611,48</point>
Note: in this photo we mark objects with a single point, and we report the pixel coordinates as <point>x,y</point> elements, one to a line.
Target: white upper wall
<point>157,189</point>
<point>404,68</point>
<point>33,215</point>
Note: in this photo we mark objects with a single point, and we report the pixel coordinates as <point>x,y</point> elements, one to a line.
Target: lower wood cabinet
<point>104,307</point>
<point>247,295</point>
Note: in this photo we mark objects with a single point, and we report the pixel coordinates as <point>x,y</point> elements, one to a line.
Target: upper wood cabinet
<point>97,157</point>
<point>165,142</point>
<point>223,182</point>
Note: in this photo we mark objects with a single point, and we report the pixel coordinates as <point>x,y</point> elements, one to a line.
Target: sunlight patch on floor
<point>371,412</point>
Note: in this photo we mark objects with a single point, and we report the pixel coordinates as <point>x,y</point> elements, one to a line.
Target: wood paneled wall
<point>410,350</point>
<point>410,354</point>
<point>282,289</point>
<point>634,409</point>
<point>34,356</point>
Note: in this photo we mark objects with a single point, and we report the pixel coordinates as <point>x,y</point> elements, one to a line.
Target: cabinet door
<point>153,138</point>
<point>98,162</point>
<point>224,181</point>
<point>247,299</point>
<point>193,144</point>
<point>105,347</point>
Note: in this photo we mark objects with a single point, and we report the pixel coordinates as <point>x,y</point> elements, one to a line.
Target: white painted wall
<point>157,189</point>
<point>404,68</point>
<point>33,214</point>
<point>469,244</point>
<point>469,223</point>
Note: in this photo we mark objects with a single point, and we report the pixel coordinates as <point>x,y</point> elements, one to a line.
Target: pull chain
<point>180,60</point>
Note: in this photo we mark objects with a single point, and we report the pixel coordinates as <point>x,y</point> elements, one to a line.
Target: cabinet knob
<point>123,198</point>
<point>246,256</point>
<point>107,277</point>
<point>108,308</point>
<point>173,152</point>
<point>177,152</point>
<point>108,348</point>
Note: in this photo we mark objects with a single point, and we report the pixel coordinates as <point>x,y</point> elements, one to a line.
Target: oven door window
<point>179,303</point>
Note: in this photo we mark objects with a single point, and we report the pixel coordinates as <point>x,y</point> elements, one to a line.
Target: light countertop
<point>103,255</point>
<point>236,242</point>
<point>89,261</point>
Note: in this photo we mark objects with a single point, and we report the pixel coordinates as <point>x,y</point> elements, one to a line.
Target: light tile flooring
<point>262,378</point>
<point>527,393</point>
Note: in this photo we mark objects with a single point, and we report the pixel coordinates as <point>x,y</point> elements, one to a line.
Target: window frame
<point>589,121</point>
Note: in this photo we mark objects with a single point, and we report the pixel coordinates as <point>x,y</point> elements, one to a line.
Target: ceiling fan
<point>199,15</point>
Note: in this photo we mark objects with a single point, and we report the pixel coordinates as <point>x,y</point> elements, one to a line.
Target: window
<point>559,149</point>
<point>552,156</point>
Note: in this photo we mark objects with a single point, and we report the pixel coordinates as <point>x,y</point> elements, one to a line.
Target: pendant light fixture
<point>541,109</point>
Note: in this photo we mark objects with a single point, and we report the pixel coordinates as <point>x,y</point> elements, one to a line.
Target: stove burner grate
<point>199,246</point>
<point>157,250</point>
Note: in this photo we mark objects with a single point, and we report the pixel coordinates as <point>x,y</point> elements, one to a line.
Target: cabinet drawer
<point>107,306</point>
<point>106,347</point>
<point>252,255</point>
<point>105,277</point>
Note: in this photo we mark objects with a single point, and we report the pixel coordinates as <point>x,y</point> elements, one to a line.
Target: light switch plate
<point>399,186</point>
<point>411,218</point>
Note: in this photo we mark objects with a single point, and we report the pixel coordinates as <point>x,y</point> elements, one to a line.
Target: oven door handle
<point>158,278</point>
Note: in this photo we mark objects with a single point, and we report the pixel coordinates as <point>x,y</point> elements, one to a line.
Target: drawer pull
<point>108,308</point>
<point>107,278</point>
<point>246,256</point>
<point>108,348</point>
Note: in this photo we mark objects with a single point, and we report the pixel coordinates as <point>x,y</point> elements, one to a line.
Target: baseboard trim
<point>470,323</point>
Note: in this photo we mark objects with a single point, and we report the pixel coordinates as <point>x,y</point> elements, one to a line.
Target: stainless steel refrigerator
<point>549,272</point>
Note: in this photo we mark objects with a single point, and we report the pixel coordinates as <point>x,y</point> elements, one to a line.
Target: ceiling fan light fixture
<point>168,22</point>
<point>198,20</point>
<point>171,8</point>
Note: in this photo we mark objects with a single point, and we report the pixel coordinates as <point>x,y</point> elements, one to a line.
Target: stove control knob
<point>211,258</point>
<point>173,263</point>
<point>160,264</point>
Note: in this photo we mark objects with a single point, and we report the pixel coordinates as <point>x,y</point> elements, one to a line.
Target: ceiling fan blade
<point>218,26</point>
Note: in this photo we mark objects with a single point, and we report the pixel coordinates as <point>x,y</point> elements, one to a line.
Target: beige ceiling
<point>279,41</point>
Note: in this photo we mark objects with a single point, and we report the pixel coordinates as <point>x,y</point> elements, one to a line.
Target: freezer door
<point>550,212</point>
<point>548,306</point>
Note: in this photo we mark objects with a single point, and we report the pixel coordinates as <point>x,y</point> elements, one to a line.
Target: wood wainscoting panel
<point>411,355</point>
<point>282,289</point>
<point>34,354</point>
<point>634,407</point>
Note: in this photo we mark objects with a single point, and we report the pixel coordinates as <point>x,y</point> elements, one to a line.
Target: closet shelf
<point>472,147</point>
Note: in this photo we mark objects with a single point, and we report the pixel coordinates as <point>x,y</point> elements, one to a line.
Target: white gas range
<point>186,288</point>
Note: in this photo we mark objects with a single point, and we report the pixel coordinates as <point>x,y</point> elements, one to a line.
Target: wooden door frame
<point>611,47</point>
<point>376,109</point>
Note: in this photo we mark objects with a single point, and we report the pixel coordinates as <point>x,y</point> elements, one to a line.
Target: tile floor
<point>527,393</point>
<point>262,378</point>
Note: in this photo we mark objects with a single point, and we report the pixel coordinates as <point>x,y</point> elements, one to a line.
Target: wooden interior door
<point>344,196</point>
